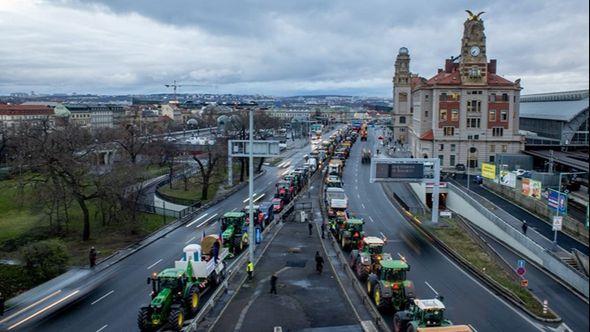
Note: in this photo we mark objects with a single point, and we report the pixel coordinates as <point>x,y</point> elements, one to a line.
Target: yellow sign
<point>488,170</point>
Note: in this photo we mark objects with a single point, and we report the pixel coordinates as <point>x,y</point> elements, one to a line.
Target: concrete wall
<point>506,231</point>
<point>538,207</point>
<point>420,191</point>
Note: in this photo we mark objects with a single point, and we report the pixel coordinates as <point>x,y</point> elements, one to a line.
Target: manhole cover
<point>296,263</point>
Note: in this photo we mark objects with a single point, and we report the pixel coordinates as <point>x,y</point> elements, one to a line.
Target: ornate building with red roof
<point>465,114</point>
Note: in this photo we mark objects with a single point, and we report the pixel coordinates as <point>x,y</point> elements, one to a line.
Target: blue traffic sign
<point>521,263</point>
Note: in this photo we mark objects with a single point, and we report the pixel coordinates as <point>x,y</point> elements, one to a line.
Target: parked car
<point>460,167</point>
<point>282,146</point>
<point>477,179</point>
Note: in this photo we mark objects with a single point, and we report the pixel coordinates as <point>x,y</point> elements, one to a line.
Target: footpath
<point>304,299</point>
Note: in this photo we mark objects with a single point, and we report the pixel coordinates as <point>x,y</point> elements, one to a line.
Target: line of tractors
<point>385,278</point>
<point>176,291</point>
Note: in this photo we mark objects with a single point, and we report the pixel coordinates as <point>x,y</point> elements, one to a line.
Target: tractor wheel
<point>343,243</point>
<point>176,318</point>
<point>144,321</point>
<point>398,323</point>
<point>411,328</point>
<point>380,302</point>
<point>193,300</point>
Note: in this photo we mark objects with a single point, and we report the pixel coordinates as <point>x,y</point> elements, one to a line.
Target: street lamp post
<point>251,241</point>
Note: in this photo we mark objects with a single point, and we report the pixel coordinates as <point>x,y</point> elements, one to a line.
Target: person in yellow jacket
<point>250,270</point>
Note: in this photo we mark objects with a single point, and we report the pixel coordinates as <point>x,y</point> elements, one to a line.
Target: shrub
<point>44,260</point>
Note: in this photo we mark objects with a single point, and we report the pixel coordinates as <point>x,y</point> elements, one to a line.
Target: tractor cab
<point>351,233</point>
<point>163,283</point>
<point>333,181</point>
<point>425,314</point>
<point>394,271</point>
<point>277,205</point>
<point>388,286</point>
<point>233,219</point>
<point>284,190</point>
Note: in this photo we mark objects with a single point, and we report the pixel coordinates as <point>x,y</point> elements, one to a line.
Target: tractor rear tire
<point>144,320</point>
<point>176,318</point>
<point>398,323</point>
<point>193,300</point>
<point>380,302</point>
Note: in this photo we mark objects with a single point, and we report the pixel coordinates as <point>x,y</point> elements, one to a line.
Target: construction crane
<point>176,85</point>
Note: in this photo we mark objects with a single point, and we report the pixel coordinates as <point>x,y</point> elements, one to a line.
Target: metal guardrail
<point>355,283</point>
<point>240,260</point>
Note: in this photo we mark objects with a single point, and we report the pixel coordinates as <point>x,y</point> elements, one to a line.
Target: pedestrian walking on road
<point>323,230</point>
<point>319,262</point>
<point>92,256</point>
<point>2,300</point>
<point>250,270</point>
<point>309,227</point>
<point>524,227</point>
<point>273,283</point>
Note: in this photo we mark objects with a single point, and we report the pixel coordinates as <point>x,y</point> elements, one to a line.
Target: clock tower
<point>473,65</point>
<point>402,92</point>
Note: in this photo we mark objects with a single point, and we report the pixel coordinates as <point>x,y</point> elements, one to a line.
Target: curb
<point>493,285</point>
<point>379,321</point>
<point>125,252</point>
<point>238,264</point>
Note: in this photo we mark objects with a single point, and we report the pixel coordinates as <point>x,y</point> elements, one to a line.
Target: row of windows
<point>473,163</point>
<point>472,122</point>
<point>496,132</point>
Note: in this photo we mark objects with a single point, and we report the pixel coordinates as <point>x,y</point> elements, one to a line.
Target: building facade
<point>466,113</point>
<point>12,116</point>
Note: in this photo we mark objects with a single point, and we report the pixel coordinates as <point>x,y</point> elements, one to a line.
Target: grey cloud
<point>282,47</point>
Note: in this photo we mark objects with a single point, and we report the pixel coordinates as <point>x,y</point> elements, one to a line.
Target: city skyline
<point>281,49</point>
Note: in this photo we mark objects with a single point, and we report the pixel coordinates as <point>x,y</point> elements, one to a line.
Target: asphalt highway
<point>467,301</point>
<point>113,306</point>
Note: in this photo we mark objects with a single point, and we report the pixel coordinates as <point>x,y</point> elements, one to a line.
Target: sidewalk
<point>305,300</point>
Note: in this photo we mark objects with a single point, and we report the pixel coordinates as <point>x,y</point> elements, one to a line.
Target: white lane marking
<point>234,209</point>
<point>156,263</point>
<point>359,196</point>
<point>432,288</point>
<point>356,188</point>
<point>102,328</point>
<point>102,297</point>
<point>248,198</point>
<point>194,221</point>
<point>259,197</point>
<point>371,218</point>
<point>538,327</point>
<point>31,305</point>
<point>189,240</point>
<point>363,205</point>
<point>44,309</point>
<point>269,182</point>
<point>208,219</point>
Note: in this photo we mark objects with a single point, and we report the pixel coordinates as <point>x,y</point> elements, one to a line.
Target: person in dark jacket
<point>309,227</point>
<point>2,300</point>
<point>319,262</point>
<point>92,256</point>
<point>216,247</point>
<point>273,283</point>
<point>524,227</point>
<point>323,230</point>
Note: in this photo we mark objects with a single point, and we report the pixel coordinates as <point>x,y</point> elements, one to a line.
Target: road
<point>467,300</point>
<point>113,306</point>
<point>563,240</point>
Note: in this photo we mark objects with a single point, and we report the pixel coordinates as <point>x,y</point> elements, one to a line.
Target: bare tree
<point>209,164</point>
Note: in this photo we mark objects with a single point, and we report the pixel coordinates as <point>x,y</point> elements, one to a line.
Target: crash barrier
<point>540,208</point>
<point>506,230</point>
<point>360,289</point>
<point>239,263</point>
<point>582,260</point>
<point>466,265</point>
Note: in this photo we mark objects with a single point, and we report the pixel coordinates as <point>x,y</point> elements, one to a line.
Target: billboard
<point>557,200</point>
<point>488,171</point>
<point>508,179</point>
<point>400,171</point>
<point>531,188</point>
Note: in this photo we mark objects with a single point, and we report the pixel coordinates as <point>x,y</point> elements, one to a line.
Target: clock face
<point>474,51</point>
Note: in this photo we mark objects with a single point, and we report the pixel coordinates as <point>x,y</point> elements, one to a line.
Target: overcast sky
<point>277,47</point>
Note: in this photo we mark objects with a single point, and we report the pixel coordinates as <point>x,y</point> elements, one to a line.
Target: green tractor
<point>351,234</point>
<point>365,260</point>
<point>176,291</point>
<point>234,228</point>
<point>388,287</point>
<point>336,219</point>
<point>425,315</point>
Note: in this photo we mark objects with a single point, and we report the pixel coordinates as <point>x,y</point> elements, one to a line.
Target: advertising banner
<point>488,171</point>
<point>557,200</point>
<point>508,179</point>
<point>531,188</point>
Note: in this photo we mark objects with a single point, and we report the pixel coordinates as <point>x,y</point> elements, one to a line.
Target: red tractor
<point>277,205</point>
